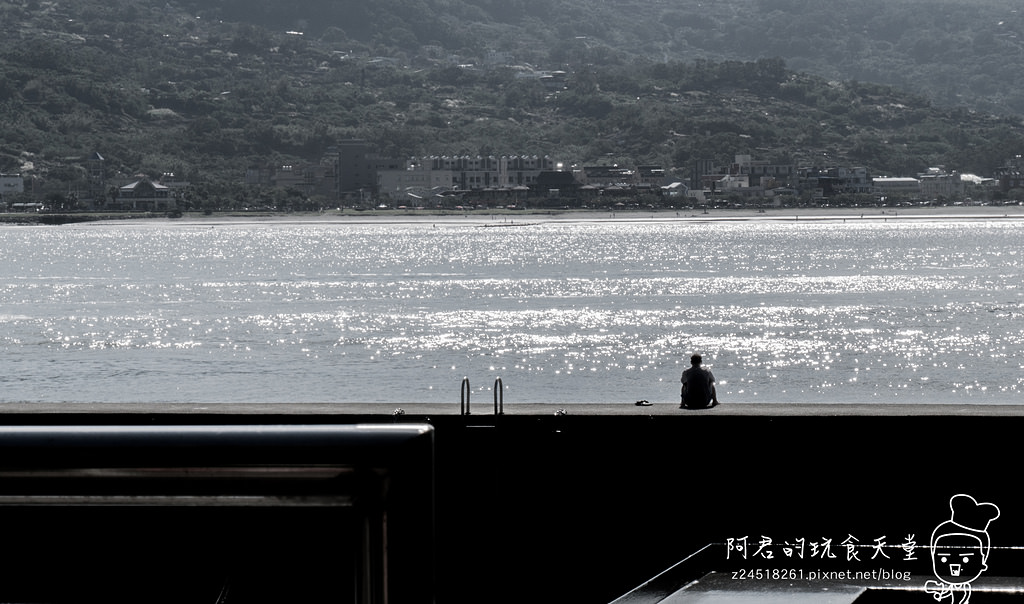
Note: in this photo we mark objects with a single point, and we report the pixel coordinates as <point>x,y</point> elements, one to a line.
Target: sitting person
<point>698,386</point>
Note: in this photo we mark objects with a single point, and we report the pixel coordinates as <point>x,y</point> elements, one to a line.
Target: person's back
<point>698,386</point>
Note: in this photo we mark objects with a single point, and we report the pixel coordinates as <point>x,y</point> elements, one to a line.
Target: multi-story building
<point>1011,175</point>
<point>607,176</point>
<point>309,179</point>
<point>1011,179</point>
<point>834,181</point>
<point>355,167</point>
<point>413,183</point>
<point>758,170</point>
<point>10,184</point>
<point>490,172</point>
<point>95,166</point>
<point>745,177</point>
<point>936,183</point>
<point>650,175</point>
<point>905,186</point>
<point>702,168</point>
<point>348,170</point>
<point>499,57</point>
<point>855,180</point>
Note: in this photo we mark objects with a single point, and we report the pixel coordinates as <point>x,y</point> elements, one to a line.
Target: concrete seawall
<point>583,506</point>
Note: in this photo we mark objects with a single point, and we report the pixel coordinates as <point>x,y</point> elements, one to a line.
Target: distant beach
<point>526,217</point>
<point>522,217</point>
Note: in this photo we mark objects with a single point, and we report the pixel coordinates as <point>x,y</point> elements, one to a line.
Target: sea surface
<point>562,311</point>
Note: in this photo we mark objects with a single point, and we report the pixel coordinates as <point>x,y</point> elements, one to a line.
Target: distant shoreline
<point>522,217</point>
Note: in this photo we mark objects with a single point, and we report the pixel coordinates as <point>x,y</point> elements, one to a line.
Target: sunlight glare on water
<point>564,312</point>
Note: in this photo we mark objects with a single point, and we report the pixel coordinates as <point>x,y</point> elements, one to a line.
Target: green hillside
<point>158,87</point>
<point>956,52</point>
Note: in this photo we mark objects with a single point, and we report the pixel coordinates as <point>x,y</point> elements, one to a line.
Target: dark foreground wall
<point>589,507</point>
<point>582,508</point>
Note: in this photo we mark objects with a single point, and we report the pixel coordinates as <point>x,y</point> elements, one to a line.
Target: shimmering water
<point>564,312</point>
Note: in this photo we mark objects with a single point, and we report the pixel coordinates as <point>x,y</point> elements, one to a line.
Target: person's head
<point>960,545</point>
<point>960,557</point>
<point>696,359</point>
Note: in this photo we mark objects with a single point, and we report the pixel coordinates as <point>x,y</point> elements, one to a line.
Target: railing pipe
<point>499,397</point>
<point>464,404</point>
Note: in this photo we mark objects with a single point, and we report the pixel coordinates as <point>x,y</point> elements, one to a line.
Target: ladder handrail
<point>464,404</point>
<point>499,397</point>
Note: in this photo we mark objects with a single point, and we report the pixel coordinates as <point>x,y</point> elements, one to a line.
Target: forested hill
<point>955,52</point>
<point>206,91</point>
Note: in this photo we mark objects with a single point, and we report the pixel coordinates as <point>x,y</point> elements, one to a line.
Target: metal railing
<point>466,394</point>
<point>499,397</point>
<point>464,402</point>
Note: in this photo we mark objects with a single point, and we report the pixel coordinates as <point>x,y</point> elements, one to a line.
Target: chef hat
<point>968,517</point>
<point>970,514</point>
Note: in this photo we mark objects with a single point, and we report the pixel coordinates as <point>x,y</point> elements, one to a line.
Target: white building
<point>936,183</point>
<point>884,186</point>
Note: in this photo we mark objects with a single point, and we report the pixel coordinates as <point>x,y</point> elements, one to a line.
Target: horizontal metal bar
<point>177,500</point>
<point>249,473</point>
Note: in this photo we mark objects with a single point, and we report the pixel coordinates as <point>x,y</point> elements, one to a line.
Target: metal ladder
<point>499,397</point>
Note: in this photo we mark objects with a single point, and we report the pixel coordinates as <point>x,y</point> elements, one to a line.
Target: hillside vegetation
<point>207,90</point>
<point>955,52</point>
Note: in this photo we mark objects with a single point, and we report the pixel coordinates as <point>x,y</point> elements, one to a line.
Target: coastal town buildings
<point>938,184</point>
<point>746,180</point>
<point>352,174</point>
<point>348,170</point>
<point>752,180</point>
